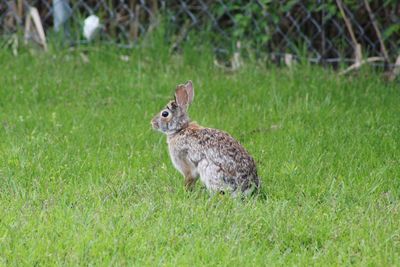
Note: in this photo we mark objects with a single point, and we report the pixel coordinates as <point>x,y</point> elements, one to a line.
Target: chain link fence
<point>326,32</point>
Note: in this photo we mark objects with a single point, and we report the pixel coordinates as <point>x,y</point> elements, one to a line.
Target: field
<point>84,180</point>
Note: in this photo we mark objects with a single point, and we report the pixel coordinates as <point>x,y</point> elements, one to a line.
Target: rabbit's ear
<point>190,91</point>
<point>181,96</point>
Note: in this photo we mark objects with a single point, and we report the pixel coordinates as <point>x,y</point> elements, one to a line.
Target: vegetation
<point>312,29</point>
<point>85,181</point>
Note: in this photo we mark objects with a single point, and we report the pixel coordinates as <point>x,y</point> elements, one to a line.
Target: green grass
<point>84,180</point>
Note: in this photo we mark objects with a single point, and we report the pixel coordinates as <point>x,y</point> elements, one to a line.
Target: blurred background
<point>325,32</point>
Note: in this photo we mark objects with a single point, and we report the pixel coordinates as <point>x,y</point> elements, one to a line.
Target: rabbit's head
<point>174,116</point>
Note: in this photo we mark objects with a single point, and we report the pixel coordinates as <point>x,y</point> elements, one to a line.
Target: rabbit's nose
<point>154,123</point>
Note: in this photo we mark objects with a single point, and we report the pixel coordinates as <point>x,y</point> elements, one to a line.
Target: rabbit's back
<point>221,161</point>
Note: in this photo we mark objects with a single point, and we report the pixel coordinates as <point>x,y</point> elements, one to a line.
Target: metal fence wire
<point>323,31</point>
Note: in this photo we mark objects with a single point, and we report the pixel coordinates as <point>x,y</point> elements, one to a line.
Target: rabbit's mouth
<point>159,126</point>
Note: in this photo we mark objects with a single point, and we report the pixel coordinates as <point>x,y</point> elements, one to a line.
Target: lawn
<point>84,180</point>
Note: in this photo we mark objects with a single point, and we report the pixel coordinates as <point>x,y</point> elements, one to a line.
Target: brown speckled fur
<point>213,155</point>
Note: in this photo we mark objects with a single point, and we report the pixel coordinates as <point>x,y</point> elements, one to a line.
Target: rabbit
<point>221,162</point>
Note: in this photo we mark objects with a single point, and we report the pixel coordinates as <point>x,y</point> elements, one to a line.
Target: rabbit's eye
<point>165,114</point>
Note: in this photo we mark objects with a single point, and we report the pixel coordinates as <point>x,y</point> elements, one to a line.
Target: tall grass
<point>85,181</point>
